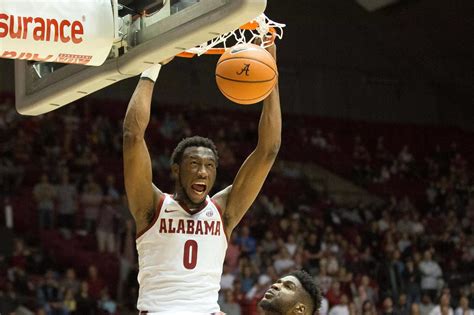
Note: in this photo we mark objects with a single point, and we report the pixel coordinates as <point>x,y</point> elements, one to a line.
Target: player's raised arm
<point>140,191</point>
<point>238,198</point>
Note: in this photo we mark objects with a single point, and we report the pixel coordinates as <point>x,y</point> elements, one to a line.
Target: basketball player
<point>182,237</point>
<point>296,293</point>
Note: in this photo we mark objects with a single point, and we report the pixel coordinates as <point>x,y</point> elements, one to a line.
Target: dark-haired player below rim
<point>182,237</point>
<point>295,293</point>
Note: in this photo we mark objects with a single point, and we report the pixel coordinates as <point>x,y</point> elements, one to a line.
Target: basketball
<point>246,73</point>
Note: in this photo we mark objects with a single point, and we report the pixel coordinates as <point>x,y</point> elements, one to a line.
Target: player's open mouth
<point>269,294</point>
<point>199,188</point>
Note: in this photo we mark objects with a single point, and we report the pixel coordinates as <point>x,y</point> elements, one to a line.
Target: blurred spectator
<point>67,203</point>
<point>20,255</point>
<point>95,283</point>
<point>111,190</point>
<point>127,254</point>
<point>86,305</point>
<point>247,278</point>
<point>247,242</point>
<point>411,281</point>
<point>272,207</point>
<point>340,308</point>
<point>368,308</point>
<point>227,278</point>
<point>391,275</point>
<point>324,280</point>
<point>168,126</point>
<point>312,252</point>
<point>402,307</point>
<point>430,274</point>
<point>70,282</point>
<point>11,174</point>
<point>319,141</point>
<point>324,309</point>
<point>8,300</point>
<point>70,303</point>
<point>291,245</point>
<point>233,252</point>
<point>387,306</point>
<point>229,306</point>
<point>405,159</point>
<point>443,307</point>
<point>91,200</point>
<point>381,153</point>
<point>106,226</point>
<point>426,305</point>
<point>366,292</point>
<point>49,295</point>
<point>87,160</point>
<point>106,304</point>
<point>334,293</point>
<point>256,293</point>
<point>463,308</point>
<point>283,261</point>
<point>44,194</point>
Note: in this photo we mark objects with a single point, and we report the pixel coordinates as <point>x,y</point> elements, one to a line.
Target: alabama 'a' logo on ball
<point>245,69</point>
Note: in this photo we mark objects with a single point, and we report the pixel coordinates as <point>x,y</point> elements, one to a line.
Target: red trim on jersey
<point>186,208</point>
<point>219,209</point>
<point>155,217</point>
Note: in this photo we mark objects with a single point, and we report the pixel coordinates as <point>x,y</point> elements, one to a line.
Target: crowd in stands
<point>74,250</point>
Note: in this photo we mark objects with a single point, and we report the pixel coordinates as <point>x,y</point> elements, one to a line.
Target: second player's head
<point>296,293</point>
<point>194,167</point>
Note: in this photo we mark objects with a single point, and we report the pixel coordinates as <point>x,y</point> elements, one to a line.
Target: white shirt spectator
<point>426,308</point>
<point>437,311</point>
<point>383,225</point>
<point>430,273</point>
<point>341,310</point>
<point>227,281</point>
<point>460,311</point>
<point>323,310</point>
<point>325,282</point>
<point>283,264</point>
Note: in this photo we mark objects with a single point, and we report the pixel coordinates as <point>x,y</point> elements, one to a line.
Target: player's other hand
<point>272,50</point>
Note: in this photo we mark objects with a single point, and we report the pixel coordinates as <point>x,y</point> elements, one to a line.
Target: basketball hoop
<point>260,28</point>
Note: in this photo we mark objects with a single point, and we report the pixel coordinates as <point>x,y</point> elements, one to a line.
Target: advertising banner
<point>64,31</point>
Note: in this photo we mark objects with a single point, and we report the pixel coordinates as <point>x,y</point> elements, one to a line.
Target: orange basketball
<point>246,73</point>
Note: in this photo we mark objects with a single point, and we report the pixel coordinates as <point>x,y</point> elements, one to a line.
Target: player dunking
<point>295,293</point>
<point>182,238</point>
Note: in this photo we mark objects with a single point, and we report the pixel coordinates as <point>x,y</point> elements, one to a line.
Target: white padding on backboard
<point>65,31</point>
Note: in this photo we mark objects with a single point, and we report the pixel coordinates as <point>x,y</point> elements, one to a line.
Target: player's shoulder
<point>220,198</point>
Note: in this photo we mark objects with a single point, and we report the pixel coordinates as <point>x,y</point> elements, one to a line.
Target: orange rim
<point>219,51</point>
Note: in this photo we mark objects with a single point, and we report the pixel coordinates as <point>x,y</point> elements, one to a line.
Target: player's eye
<point>290,286</point>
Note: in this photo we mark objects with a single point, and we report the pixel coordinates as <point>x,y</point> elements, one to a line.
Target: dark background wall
<point>411,62</point>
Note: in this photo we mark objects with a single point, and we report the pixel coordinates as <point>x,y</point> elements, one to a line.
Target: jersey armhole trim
<point>155,217</point>
<point>219,209</point>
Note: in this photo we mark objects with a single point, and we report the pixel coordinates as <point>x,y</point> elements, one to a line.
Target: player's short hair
<point>195,141</point>
<point>310,286</point>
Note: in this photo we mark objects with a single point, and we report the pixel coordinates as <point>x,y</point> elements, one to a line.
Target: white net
<point>265,30</point>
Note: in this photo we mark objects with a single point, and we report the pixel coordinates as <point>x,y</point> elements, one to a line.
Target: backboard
<point>178,26</point>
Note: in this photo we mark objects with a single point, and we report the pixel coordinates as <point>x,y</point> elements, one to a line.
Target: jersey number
<point>190,254</point>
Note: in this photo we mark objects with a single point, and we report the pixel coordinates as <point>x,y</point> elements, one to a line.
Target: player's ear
<point>300,309</point>
<point>175,171</point>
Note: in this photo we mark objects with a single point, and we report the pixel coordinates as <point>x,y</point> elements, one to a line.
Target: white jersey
<point>180,257</point>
